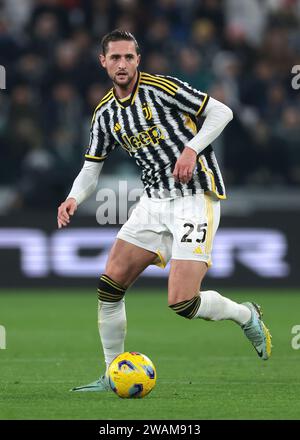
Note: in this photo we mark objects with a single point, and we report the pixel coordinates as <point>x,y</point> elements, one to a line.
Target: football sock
<point>111,318</point>
<point>187,308</point>
<point>112,328</point>
<point>216,307</point>
<point>109,290</point>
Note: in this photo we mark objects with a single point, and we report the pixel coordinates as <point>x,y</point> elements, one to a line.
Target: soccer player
<point>155,119</point>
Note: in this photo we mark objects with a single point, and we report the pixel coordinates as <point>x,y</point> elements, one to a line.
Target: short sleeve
<point>188,99</point>
<point>101,141</point>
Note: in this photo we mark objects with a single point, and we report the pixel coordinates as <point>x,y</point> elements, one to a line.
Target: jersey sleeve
<point>188,99</point>
<point>101,141</point>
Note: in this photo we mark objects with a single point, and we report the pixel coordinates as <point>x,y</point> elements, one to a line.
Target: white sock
<point>112,328</point>
<point>216,307</point>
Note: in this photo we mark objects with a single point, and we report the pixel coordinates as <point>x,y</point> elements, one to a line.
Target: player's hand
<point>185,166</point>
<point>67,208</point>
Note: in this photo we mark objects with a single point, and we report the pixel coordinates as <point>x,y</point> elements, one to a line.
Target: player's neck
<point>124,92</point>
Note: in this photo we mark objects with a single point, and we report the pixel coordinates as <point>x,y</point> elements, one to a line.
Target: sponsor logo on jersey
<point>152,136</point>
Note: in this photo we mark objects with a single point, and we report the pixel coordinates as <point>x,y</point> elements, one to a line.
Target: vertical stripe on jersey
<point>168,154</point>
<point>94,135</point>
<point>191,185</point>
<point>203,176</point>
<point>213,165</point>
<point>183,135</point>
<point>115,117</point>
<point>109,143</point>
<point>172,151</point>
<point>163,121</point>
<point>209,172</point>
<point>142,157</point>
<point>162,157</point>
<point>118,117</point>
<point>151,152</point>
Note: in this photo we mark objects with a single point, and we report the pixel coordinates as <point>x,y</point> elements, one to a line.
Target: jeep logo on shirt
<point>151,136</point>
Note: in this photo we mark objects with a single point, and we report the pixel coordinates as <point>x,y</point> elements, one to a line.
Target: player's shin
<point>216,307</point>
<point>111,318</point>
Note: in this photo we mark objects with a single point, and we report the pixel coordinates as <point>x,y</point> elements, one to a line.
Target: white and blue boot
<point>98,385</point>
<point>257,333</point>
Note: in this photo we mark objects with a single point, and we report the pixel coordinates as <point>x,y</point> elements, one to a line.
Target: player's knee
<point>187,308</point>
<point>119,271</point>
<point>110,290</point>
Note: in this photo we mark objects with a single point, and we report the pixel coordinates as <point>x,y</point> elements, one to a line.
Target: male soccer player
<point>155,119</point>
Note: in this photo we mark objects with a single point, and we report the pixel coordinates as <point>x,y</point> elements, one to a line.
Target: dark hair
<point>118,35</point>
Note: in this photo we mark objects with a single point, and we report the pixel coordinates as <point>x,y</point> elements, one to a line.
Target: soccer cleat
<point>257,333</point>
<point>98,385</point>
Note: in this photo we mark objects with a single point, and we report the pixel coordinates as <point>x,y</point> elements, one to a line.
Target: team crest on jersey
<point>147,111</point>
<point>117,127</point>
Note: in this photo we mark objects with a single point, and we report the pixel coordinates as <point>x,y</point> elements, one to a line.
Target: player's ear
<point>138,59</point>
<point>102,60</point>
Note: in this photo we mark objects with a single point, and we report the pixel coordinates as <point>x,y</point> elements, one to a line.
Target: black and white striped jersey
<point>153,125</point>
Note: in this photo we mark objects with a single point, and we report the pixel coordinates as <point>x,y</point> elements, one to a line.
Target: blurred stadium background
<point>242,52</point>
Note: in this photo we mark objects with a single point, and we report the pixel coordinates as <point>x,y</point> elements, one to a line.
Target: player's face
<point>121,62</point>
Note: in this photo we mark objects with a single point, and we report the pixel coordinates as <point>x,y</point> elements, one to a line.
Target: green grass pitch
<point>206,370</point>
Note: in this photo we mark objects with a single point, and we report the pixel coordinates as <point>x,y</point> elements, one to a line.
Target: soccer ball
<point>131,374</point>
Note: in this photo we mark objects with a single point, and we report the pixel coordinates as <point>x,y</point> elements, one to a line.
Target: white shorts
<point>182,228</point>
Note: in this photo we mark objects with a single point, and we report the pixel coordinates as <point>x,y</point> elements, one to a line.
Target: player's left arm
<point>217,115</point>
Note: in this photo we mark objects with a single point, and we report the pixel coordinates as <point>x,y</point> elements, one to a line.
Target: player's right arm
<point>84,185</point>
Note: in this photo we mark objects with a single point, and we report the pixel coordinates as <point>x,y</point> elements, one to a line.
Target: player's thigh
<point>195,222</point>
<point>126,261</point>
<point>185,280</point>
